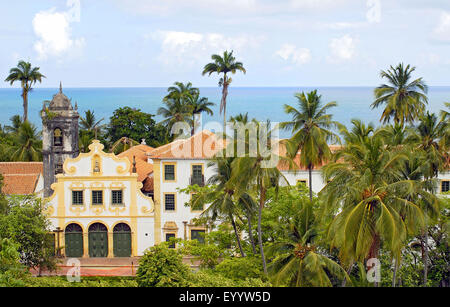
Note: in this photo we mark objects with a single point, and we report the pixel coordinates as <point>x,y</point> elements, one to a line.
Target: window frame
<point>112,197</point>
<point>174,164</point>
<point>174,202</point>
<point>442,185</point>
<point>92,198</point>
<point>82,198</point>
<point>173,235</point>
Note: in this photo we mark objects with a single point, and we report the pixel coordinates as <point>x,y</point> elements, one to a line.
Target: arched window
<point>57,137</point>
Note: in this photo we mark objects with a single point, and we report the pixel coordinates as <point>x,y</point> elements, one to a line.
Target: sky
<point>153,43</point>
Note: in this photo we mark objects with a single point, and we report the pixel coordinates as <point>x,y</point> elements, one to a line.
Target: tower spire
<point>60,87</point>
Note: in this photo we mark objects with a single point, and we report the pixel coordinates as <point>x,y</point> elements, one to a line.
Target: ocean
<point>260,102</point>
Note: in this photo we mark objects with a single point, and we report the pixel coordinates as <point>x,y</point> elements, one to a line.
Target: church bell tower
<point>59,137</point>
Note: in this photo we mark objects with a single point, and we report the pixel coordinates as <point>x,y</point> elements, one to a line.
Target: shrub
<point>209,278</point>
<point>238,268</point>
<point>162,266</point>
<point>11,271</point>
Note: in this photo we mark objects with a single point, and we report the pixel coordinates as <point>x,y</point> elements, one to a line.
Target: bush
<point>209,278</point>
<point>91,281</point>
<point>238,268</point>
<point>162,266</point>
<point>11,271</point>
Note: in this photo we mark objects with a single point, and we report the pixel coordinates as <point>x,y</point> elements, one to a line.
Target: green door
<point>73,236</point>
<point>98,240</point>
<point>122,240</point>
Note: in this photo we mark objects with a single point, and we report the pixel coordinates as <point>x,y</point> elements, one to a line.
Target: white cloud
<point>171,6</point>
<point>296,55</point>
<point>189,49</point>
<point>54,32</point>
<point>342,49</point>
<point>442,30</point>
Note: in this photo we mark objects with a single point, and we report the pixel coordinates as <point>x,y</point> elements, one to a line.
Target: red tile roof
<point>20,178</point>
<point>203,145</point>
<point>142,166</point>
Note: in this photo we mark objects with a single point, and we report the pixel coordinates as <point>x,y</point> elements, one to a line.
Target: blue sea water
<point>260,102</point>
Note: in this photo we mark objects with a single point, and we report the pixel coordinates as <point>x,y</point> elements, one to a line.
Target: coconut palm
<point>404,99</point>
<point>16,121</point>
<point>27,145</point>
<point>181,91</point>
<point>27,76</point>
<point>222,199</point>
<point>224,65</point>
<point>123,144</point>
<point>297,261</point>
<point>90,124</point>
<point>175,111</point>
<point>310,126</point>
<point>199,105</point>
<point>252,173</point>
<point>430,136</point>
<point>371,199</point>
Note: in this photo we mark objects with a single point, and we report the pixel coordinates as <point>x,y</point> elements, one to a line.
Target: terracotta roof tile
<point>142,166</point>
<point>203,145</point>
<point>20,178</point>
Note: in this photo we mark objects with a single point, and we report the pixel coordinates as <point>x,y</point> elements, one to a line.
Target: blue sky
<point>152,43</point>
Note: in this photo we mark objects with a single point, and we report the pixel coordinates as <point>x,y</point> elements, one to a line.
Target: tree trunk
<point>425,257</point>
<point>25,105</point>
<point>310,183</point>
<point>374,250</point>
<point>261,205</point>
<point>238,240</point>
<point>250,233</point>
<point>224,101</point>
<point>394,277</point>
<point>193,124</point>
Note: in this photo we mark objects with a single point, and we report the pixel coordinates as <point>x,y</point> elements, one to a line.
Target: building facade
<point>98,203</point>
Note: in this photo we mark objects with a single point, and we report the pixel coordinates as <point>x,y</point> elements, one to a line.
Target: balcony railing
<point>198,180</point>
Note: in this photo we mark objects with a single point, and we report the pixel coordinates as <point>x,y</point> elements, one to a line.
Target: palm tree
<point>123,144</point>
<point>224,65</point>
<point>175,111</point>
<point>16,121</point>
<point>371,198</point>
<point>181,91</point>
<point>297,261</point>
<point>251,174</point>
<point>27,76</point>
<point>90,124</point>
<point>222,199</point>
<point>310,125</point>
<point>199,105</point>
<point>430,136</point>
<point>404,99</point>
<point>27,146</point>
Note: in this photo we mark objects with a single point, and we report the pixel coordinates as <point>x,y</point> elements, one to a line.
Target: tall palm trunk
<point>224,101</point>
<point>262,199</point>
<point>374,250</point>
<point>310,182</point>
<point>425,256</point>
<point>238,239</point>
<point>250,232</point>
<point>25,104</point>
<point>193,124</point>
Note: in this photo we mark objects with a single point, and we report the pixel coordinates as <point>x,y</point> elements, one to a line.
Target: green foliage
<point>162,266</point>
<point>209,278</point>
<point>207,253</point>
<point>241,268</point>
<point>11,271</point>
<point>91,281</point>
<point>26,225</point>
<point>136,125</point>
